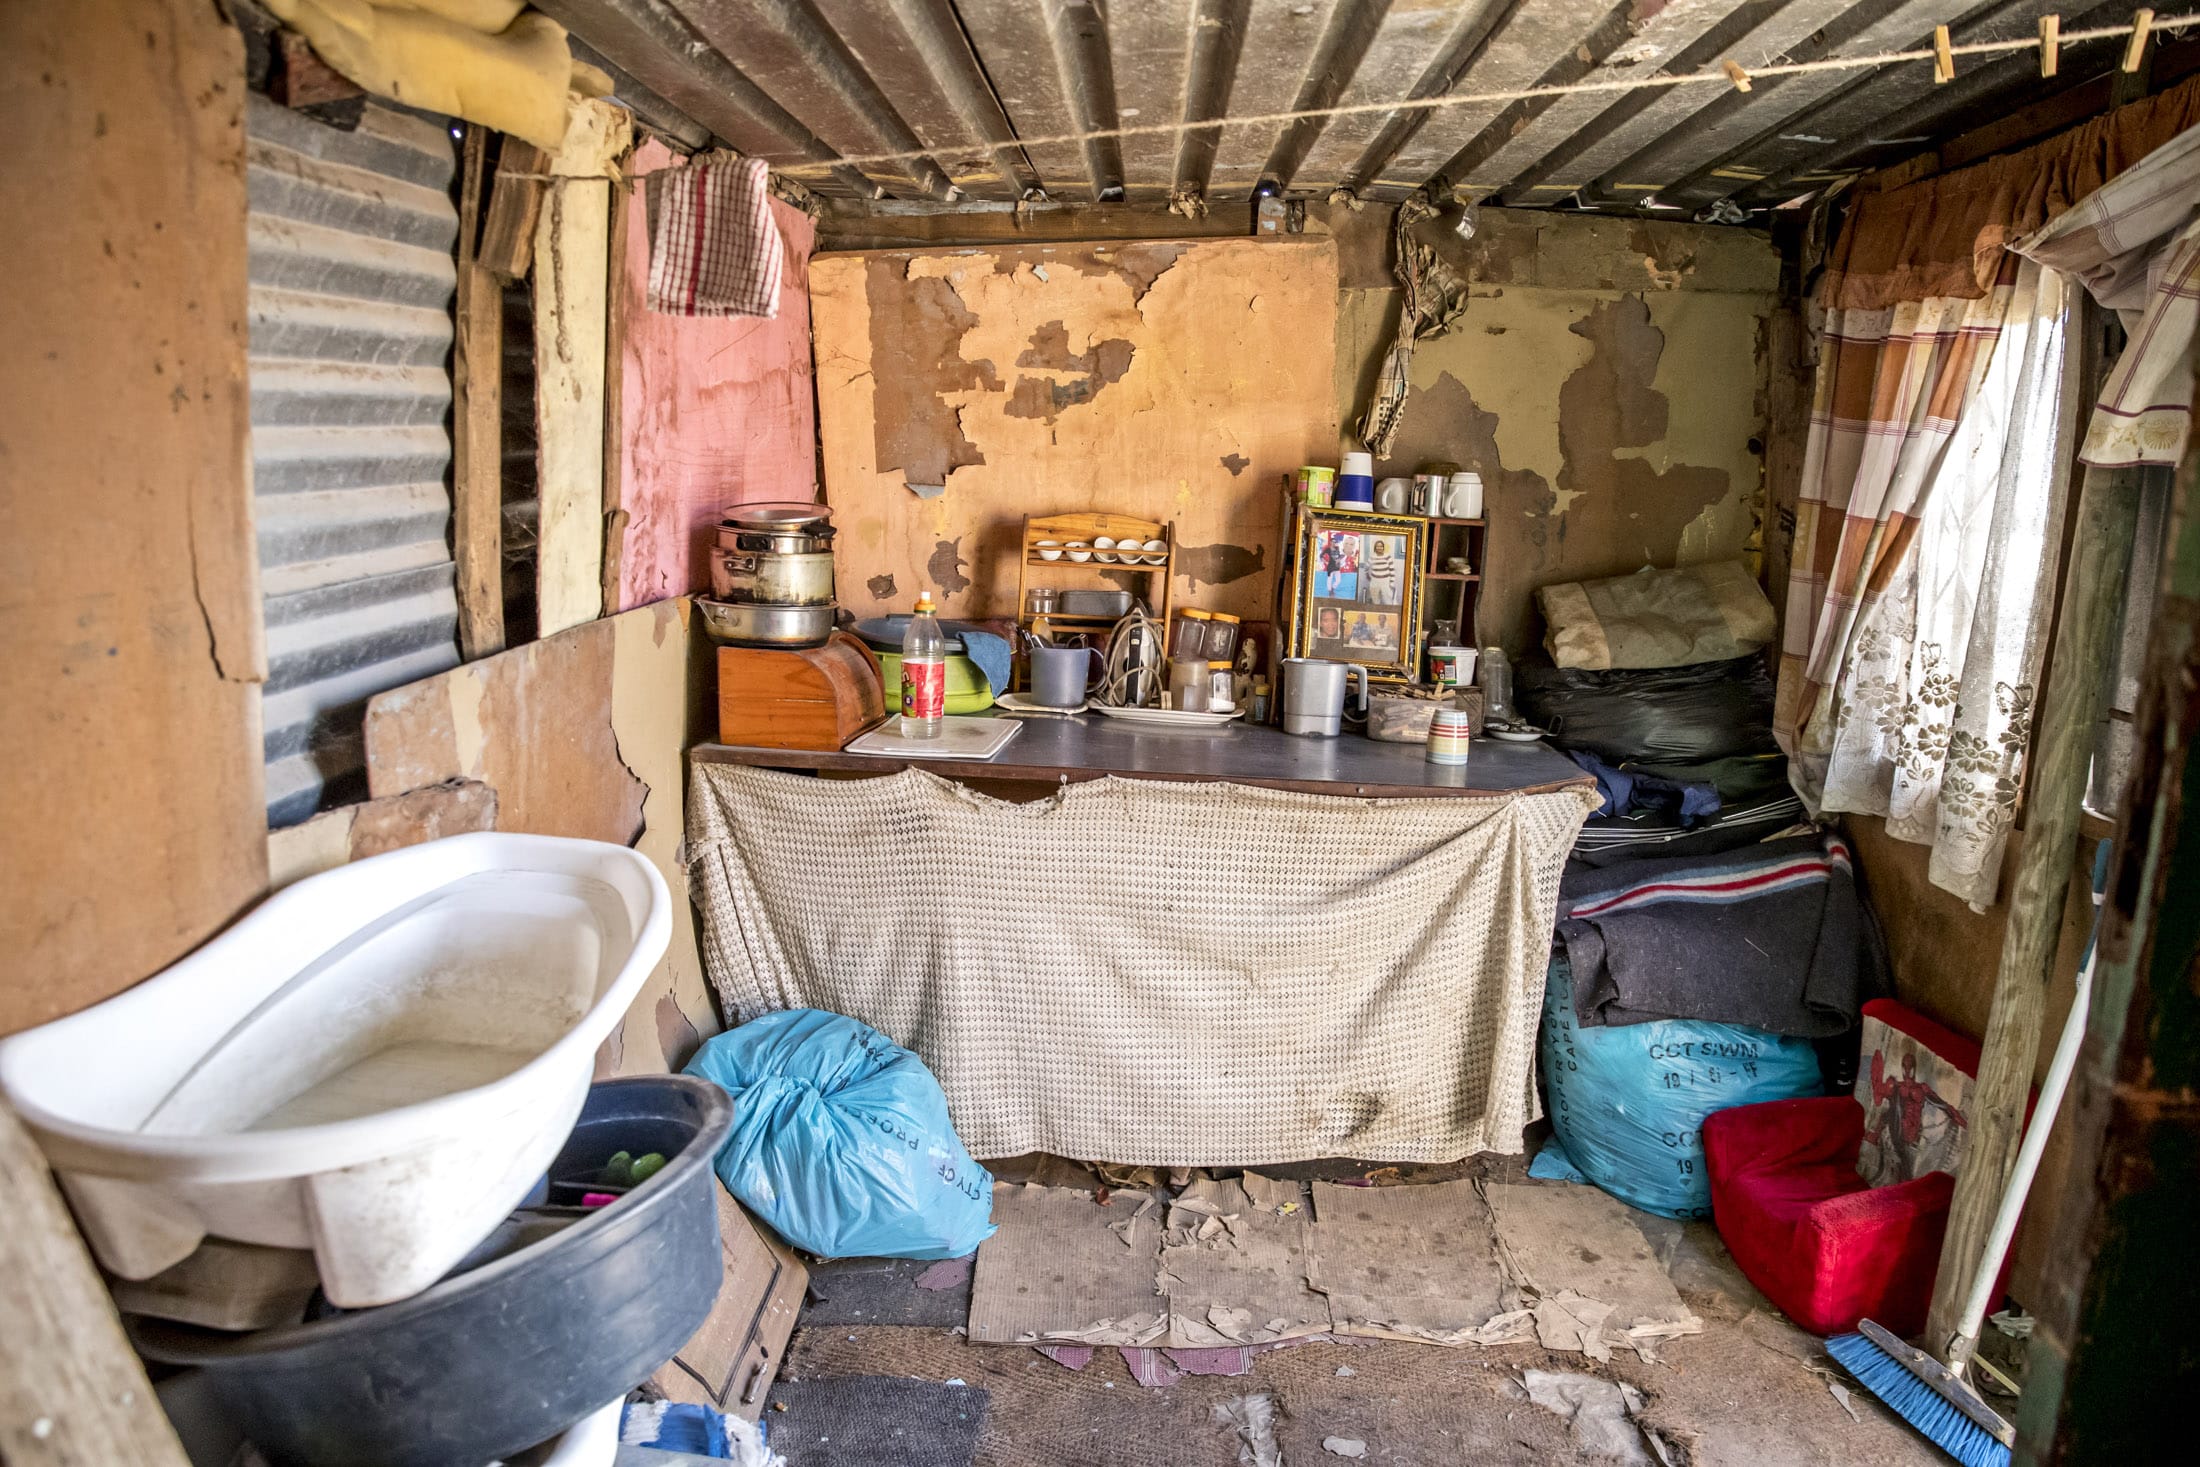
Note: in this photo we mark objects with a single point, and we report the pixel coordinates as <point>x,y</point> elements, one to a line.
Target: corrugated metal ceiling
<point>809,83</point>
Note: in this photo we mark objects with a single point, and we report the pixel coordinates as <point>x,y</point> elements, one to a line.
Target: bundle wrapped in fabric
<point>1657,618</point>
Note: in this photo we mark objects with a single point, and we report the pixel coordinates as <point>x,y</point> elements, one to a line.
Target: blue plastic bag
<point>841,1140</point>
<point>1628,1101</point>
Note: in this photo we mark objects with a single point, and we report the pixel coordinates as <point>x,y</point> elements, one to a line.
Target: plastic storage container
<point>1189,684</point>
<point>1222,637</point>
<point>1188,630</point>
<point>375,1063</point>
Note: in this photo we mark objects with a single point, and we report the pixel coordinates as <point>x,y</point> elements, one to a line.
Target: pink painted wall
<point>717,411</point>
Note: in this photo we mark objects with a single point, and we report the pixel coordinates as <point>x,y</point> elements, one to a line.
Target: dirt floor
<point>1750,1391</point>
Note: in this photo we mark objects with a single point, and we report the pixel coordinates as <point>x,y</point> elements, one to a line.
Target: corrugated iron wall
<point>352,273</point>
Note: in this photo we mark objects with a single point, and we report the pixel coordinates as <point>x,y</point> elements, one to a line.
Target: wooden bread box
<point>798,698</point>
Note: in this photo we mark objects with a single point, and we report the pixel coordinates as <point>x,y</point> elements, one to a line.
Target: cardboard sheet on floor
<point>1233,1264</point>
<point>1064,1269</point>
<point>1412,1263</point>
<point>1589,1276</point>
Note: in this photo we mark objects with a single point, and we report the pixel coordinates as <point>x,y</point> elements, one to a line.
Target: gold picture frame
<point>1355,590</point>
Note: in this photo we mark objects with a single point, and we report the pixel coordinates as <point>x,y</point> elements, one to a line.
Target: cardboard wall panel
<point>130,778</point>
<point>581,734</point>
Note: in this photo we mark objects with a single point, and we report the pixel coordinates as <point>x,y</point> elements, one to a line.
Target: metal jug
<point>1313,695</point>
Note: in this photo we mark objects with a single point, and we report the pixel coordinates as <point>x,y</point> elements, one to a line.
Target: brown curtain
<point>1944,236</point>
<point>1933,490</point>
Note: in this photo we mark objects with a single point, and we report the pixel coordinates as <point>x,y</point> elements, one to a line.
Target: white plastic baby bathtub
<point>376,1063</point>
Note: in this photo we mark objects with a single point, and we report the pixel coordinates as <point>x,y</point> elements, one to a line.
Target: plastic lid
<point>924,603</point>
<point>1193,613</point>
<point>1223,616</point>
<point>1222,666</point>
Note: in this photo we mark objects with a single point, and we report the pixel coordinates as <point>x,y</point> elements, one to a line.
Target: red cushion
<point>1806,1230</point>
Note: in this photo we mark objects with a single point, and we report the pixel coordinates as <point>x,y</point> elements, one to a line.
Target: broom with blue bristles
<point>1918,1388</point>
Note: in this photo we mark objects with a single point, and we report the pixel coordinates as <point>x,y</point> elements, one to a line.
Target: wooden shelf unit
<point>1065,528</point>
<point>1449,536</point>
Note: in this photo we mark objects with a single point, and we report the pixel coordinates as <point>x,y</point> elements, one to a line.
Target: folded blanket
<point>716,251</point>
<point>1771,936</point>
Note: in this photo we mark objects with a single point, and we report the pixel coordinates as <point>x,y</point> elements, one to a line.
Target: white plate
<point>1517,735</point>
<point>1022,703</point>
<point>1168,717</point>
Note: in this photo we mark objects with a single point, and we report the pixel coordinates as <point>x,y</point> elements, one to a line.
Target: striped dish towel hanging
<point>717,250</point>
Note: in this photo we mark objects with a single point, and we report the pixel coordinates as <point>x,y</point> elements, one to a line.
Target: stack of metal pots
<point>772,573</point>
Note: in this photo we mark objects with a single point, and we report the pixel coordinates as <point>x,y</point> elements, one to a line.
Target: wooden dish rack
<point>1065,528</point>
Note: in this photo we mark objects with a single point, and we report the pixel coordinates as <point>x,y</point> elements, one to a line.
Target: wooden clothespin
<point>2142,25</point>
<point>1736,75</point>
<point>2050,44</point>
<point>1944,58</point>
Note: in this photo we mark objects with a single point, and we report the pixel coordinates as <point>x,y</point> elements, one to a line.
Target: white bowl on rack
<point>1078,550</point>
<point>1157,551</point>
<point>1048,549</point>
<point>1103,549</point>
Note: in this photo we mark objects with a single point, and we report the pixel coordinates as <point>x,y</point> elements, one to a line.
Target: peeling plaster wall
<point>1613,428</point>
<point>1611,380</point>
<point>715,411</point>
<point>959,391</point>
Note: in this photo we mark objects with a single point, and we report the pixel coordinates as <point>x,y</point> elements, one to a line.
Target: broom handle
<point>1973,1318</point>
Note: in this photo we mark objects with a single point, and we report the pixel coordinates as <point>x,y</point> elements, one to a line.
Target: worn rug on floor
<point>838,1420</point>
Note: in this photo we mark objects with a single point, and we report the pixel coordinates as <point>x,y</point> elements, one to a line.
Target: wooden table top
<point>1052,749</point>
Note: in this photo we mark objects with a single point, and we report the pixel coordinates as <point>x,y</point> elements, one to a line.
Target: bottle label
<point>923,689</point>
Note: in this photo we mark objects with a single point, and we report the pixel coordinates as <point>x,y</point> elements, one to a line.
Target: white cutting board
<point>964,736</point>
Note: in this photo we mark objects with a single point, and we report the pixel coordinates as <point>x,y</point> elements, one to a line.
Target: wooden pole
<point>571,279</point>
<point>2093,587</point>
<point>477,439</point>
<point>615,512</point>
<point>72,1393</point>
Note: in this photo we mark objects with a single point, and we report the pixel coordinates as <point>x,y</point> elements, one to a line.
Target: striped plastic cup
<point>1447,736</point>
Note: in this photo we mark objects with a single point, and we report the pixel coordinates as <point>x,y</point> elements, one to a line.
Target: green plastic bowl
<point>966,686</point>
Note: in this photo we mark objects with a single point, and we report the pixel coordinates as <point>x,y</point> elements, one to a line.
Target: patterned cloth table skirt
<point>1154,973</point>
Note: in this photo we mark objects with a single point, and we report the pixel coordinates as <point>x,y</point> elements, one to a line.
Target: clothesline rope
<point>1717,75</point>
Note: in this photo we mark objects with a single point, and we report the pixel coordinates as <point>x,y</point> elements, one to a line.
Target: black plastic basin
<point>551,1319</point>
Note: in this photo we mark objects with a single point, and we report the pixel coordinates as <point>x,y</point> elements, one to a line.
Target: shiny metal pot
<point>772,580</point>
<point>745,624</point>
<point>810,540</point>
<point>780,516</point>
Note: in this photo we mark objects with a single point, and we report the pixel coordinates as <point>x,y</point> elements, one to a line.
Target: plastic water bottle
<point>923,673</point>
<point>1497,687</point>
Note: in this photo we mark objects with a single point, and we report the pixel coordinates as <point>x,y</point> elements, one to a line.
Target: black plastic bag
<point>1706,710</point>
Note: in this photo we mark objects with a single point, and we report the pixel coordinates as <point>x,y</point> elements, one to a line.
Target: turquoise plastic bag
<point>1628,1101</point>
<point>841,1140</point>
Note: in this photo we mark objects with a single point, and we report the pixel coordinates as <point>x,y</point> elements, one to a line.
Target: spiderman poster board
<point>1915,1108</point>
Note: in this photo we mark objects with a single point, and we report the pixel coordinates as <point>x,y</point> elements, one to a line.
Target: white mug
<point>1464,499</point>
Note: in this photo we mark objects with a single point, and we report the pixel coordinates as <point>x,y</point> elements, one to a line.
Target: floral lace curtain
<point>1931,513</point>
